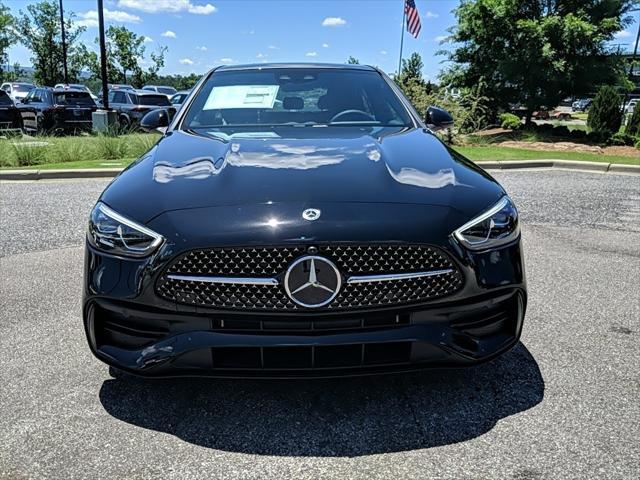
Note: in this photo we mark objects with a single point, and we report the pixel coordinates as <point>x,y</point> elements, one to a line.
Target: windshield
<point>78,86</point>
<point>22,87</point>
<point>167,90</point>
<point>296,96</point>
<point>73,98</point>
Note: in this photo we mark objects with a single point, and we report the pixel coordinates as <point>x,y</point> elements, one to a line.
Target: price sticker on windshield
<point>242,96</point>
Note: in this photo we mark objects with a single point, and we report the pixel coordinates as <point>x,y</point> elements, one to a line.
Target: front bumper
<point>128,326</point>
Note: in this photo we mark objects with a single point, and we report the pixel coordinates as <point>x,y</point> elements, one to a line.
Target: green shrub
<point>111,148</point>
<point>633,125</point>
<point>622,139</point>
<point>637,144</point>
<point>30,153</point>
<point>510,121</point>
<point>71,149</point>
<point>561,131</point>
<point>605,114</point>
<point>141,144</point>
<point>7,154</point>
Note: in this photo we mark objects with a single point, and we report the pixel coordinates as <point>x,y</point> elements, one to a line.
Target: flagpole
<point>404,18</point>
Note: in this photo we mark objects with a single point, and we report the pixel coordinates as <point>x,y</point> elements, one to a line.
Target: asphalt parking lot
<point>562,404</point>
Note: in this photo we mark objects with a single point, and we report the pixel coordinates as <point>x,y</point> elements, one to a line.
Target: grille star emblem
<point>312,281</point>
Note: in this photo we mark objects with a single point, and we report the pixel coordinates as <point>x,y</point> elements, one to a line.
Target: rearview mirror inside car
<point>158,119</point>
<point>438,118</point>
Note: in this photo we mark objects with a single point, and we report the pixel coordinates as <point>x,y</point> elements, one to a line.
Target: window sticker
<point>242,96</point>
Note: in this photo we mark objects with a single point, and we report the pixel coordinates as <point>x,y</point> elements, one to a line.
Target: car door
<point>117,100</point>
<point>29,110</point>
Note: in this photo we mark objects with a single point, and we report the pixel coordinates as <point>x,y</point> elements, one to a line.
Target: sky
<point>201,34</point>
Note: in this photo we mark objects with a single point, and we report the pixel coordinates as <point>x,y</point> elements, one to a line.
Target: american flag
<point>413,18</point>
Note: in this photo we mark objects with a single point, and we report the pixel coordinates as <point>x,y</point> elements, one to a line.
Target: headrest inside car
<point>293,103</point>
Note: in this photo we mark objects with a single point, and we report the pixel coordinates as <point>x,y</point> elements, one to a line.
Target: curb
<point>489,165</point>
<point>59,174</point>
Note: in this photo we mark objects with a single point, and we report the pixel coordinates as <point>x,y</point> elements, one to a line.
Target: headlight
<point>112,233</point>
<point>497,226</point>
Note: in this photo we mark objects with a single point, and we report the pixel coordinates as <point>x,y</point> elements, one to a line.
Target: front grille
<point>272,262</point>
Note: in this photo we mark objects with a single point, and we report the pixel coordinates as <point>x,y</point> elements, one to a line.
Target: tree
<point>15,74</point>
<point>125,52</point>
<point>411,71</point>
<point>353,60</point>
<point>605,114</point>
<point>39,30</point>
<point>536,52</point>
<point>126,48</point>
<point>7,37</point>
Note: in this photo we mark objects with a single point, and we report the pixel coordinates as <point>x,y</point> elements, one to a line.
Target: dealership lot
<point>563,404</point>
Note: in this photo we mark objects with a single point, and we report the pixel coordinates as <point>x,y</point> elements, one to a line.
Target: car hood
<point>303,166</point>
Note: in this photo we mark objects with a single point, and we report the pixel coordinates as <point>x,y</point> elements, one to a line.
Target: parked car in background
<point>582,105</point>
<point>10,119</point>
<point>178,99</point>
<point>75,86</point>
<point>17,90</point>
<point>132,105</point>
<point>115,86</point>
<point>168,91</point>
<point>631,106</point>
<point>45,110</point>
<point>542,114</point>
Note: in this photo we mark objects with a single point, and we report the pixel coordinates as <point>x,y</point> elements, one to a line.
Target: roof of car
<point>265,66</point>
<point>146,92</point>
<point>67,89</point>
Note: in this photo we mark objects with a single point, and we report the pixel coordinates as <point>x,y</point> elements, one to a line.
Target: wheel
<point>124,122</point>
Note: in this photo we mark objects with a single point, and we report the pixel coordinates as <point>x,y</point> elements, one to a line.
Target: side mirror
<point>438,119</point>
<point>157,119</point>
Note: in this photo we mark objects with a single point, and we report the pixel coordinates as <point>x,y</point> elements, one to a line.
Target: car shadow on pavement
<point>338,417</point>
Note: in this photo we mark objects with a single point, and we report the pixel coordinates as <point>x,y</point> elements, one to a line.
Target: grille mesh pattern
<point>273,262</point>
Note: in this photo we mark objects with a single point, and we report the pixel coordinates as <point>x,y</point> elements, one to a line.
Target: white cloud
<point>383,52</point>
<point>430,15</point>
<point>227,60</point>
<point>623,34</point>
<point>441,38</point>
<point>325,45</point>
<point>148,39</point>
<point>169,34</point>
<point>186,61</point>
<point>261,55</point>
<point>333,22</point>
<point>172,6</point>
<point>89,23</point>
<point>202,48</point>
<point>311,54</point>
<point>273,47</point>
<point>90,18</point>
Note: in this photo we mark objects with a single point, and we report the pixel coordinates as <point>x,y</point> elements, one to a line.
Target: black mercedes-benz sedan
<point>301,220</point>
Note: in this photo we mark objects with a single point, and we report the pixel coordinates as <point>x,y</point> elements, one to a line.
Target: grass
<point>72,151</point>
<point>489,152</point>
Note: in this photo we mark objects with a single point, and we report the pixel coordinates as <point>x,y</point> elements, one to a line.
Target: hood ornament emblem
<point>311,214</point>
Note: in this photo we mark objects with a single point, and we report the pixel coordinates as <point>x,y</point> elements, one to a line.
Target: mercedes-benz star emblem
<point>312,281</point>
<point>311,214</point>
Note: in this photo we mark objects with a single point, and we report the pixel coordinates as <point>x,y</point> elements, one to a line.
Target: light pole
<point>64,45</point>
<point>103,57</point>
